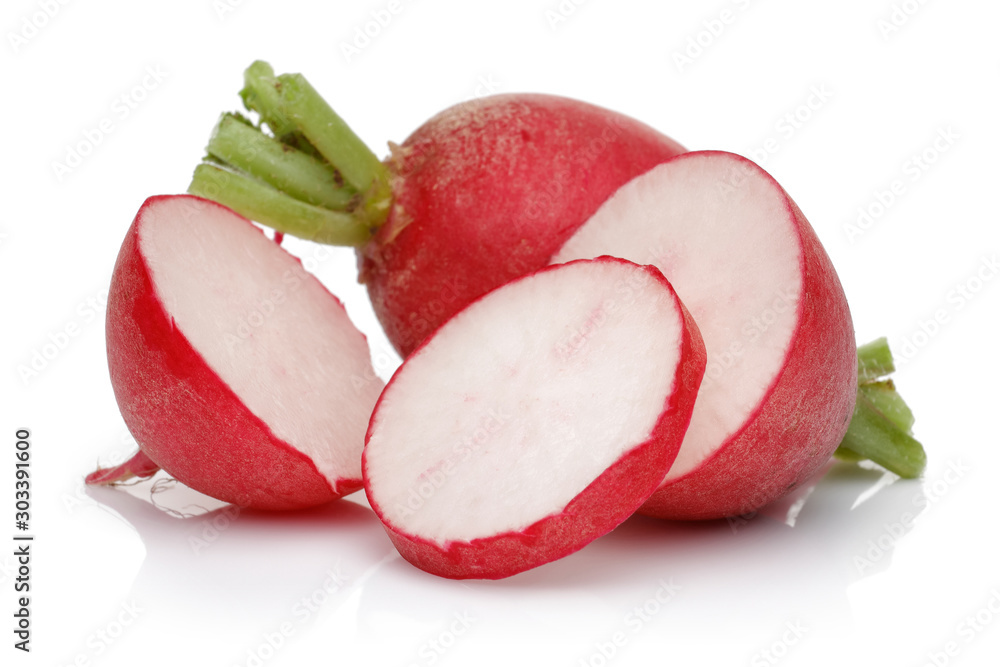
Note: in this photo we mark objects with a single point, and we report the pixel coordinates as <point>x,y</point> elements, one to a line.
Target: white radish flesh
<point>501,443</point>
<point>770,307</point>
<point>236,371</point>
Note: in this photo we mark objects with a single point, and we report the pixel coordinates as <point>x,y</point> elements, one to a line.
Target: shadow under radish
<point>263,572</point>
<point>787,567</point>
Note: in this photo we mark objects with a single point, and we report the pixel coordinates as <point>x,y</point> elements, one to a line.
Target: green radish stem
<point>337,143</point>
<point>259,201</point>
<point>873,436</point>
<point>884,397</point>
<point>881,428</point>
<point>314,178</point>
<point>243,147</point>
<point>874,361</point>
<point>311,177</point>
<point>260,94</point>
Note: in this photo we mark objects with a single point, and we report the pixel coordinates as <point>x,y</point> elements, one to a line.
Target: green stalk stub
<point>874,360</point>
<point>874,437</point>
<point>332,137</point>
<point>881,428</point>
<point>240,145</point>
<point>312,177</point>
<point>259,201</point>
<point>884,397</point>
<point>260,94</point>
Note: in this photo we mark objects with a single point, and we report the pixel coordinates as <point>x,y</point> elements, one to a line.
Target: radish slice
<point>780,383</point>
<point>236,371</point>
<point>535,420</point>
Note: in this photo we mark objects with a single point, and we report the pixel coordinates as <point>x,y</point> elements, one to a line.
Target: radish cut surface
<point>534,420</point>
<point>779,385</point>
<point>236,370</point>
<point>733,255</point>
<point>269,329</point>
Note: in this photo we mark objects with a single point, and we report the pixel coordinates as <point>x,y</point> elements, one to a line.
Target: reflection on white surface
<point>253,588</point>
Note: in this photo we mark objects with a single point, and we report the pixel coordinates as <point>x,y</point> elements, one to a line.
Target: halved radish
<point>781,379</point>
<point>236,371</point>
<point>535,420</point>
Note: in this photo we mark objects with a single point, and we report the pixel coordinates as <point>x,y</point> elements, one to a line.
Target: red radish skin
<point>796,429</point>
<point>598,508</point>
<point>185,417</point>
<point>487,191</point>
<point>603,504</point>
<point>803,411</point>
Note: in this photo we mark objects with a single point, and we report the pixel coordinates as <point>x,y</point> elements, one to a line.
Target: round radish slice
<point>535,420</point>
<point>237,372</point>
<point>781,380</point>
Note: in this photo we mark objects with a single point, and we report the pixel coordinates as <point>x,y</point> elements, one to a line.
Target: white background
<point>868,571</point>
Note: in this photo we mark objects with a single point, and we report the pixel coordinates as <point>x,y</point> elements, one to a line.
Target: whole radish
<point>489,190</point>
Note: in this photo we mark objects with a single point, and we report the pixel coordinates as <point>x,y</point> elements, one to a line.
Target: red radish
<point>535,420</point>
<point>781,379</point>
<point>487,191</point>
<point>237,372</point>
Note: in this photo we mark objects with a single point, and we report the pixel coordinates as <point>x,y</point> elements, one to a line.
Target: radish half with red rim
<point>781,379</point>
<point>535,420</point>
<point>236,371</point>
